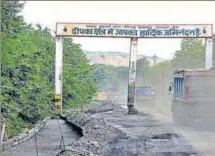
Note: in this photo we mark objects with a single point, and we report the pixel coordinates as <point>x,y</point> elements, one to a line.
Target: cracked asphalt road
<point>48,139</point>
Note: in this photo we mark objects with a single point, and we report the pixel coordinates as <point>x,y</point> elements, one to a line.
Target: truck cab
<point>145,92</point>
<point>145,96</point>
<point>193,98</point>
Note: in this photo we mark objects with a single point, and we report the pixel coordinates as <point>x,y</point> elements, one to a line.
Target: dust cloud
<point>197,121</point>
<point>194,120</point>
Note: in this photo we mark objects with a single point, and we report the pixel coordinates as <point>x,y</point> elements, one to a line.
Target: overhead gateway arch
<point>134,32</point>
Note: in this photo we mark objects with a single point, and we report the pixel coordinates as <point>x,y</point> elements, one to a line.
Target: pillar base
<point>132,110</point>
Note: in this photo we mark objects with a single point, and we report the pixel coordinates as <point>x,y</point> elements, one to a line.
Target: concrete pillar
<point>132,76</point>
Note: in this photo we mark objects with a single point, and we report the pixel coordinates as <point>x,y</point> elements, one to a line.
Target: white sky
<point>47,13</point>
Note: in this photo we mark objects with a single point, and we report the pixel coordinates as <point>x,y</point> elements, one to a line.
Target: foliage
<point>111,78</point>
<point>142,67</point>
<point>28,71</point>
<point>79,84</point>
<point>191,54</point>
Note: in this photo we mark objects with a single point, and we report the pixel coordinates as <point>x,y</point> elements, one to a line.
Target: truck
<point>141,93</point>
<point>193,98</point>
<point>145,96</point>
<point>145,92</point>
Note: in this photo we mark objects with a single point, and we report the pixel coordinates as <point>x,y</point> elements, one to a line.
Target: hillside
<point>115,58</point>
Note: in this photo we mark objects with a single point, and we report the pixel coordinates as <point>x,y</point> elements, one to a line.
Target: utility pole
<point>155,61</point>
<point>208,53</point>
<point>213,51</point>
<point>132,76</point>
<point>162,81</point>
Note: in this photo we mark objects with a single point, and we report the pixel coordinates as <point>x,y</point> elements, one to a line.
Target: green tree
<point>79,84</point>
<point>141,68</point>
<point>28,70</point>
<point>111,78</point>
<point>191,54</point>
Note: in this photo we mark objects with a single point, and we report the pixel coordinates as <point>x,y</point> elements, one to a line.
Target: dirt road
<point>201,140</point>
